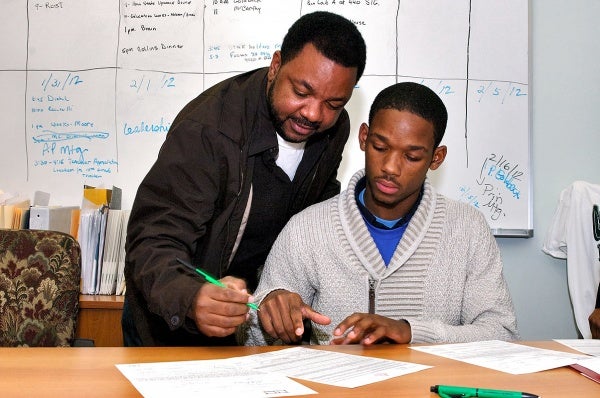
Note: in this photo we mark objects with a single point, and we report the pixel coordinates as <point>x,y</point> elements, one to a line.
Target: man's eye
<point>300,94</point>
<point>335,107</point>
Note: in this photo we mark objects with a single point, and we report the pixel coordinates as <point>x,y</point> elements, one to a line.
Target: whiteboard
<point>91,86</point>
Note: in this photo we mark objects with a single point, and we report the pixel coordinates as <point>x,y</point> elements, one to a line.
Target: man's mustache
<point>387,177</point>
<point>306,123</point>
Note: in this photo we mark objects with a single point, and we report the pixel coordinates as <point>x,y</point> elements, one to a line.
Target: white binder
<point>51,218</point>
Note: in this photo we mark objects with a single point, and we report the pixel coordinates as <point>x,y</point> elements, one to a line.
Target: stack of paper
<point>91,239</point>
<point>588,367</point>
<point>14,213</point>
<point>120,287</point>
<point>15,209</point>
<point>20,218</point>
<point>113,261</point>
<point>101,235</point>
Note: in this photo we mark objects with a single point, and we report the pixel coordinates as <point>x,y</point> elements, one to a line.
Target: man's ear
<point>363,132</point>
<point>274,66</point>
<point>438,157</point>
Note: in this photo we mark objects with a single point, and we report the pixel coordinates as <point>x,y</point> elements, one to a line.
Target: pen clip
<point>444,395</point>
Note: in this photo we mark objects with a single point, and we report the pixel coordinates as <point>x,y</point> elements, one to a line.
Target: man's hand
<point>594,320</point>
<point>281,315</point>
<point>368,329</point>
<point>217,311</point>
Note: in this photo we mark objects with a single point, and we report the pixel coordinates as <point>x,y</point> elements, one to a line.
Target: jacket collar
<point>361,241</point>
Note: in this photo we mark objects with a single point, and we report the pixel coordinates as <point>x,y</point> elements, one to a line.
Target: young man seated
<point>389,259</point>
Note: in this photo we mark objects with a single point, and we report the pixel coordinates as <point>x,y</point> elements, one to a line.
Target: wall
<point>565,55</point>
<point>100,92</point>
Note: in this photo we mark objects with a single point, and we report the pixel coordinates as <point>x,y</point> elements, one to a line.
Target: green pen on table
<point>211,279</point>
<point>466,392</point>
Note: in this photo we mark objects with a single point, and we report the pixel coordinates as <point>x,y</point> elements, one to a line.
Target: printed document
<point>503,356</point>
<point>328,367</point>
<point>587,346</point>
<point>261,375</point>
<point>208,378</point>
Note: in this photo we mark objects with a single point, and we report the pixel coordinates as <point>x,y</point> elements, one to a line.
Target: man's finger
<point>275,317</point>
<point>218,325</point>
<point>314,316</point>
<point>346,324</point>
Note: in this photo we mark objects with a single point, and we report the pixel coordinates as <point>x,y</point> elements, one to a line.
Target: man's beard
<point>278,122</point>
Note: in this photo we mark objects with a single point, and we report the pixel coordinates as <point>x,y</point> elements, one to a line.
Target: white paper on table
<point>327,367</point>
<point>503,356</point>
<point>208,378</point>
<point>587,346</point>
<point>592,363</point>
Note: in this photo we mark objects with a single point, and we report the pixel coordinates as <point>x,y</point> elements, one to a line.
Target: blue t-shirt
<point>385,233</point>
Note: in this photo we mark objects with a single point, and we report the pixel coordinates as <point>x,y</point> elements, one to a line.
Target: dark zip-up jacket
<point>193,202</point>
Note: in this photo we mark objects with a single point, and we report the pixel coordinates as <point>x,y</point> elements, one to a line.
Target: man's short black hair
<point>414,98</point>
<point>334,36</point>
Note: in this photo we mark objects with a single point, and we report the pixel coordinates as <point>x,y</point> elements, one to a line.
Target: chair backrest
<point>40,272</point>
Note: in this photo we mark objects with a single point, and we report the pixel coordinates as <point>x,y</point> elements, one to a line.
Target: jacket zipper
<point>371,296</point>
<point>224,263</point>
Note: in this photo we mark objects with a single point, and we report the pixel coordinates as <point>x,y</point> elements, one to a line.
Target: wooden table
<point>91,372</point>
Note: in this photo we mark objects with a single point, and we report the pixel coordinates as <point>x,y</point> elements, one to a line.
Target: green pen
<point>465,392</point>
<point>211,279</point>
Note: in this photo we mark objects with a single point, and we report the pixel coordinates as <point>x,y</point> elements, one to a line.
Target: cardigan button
<point>174,320</point>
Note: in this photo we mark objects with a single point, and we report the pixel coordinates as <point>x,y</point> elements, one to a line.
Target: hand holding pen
<point>219,305</point>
